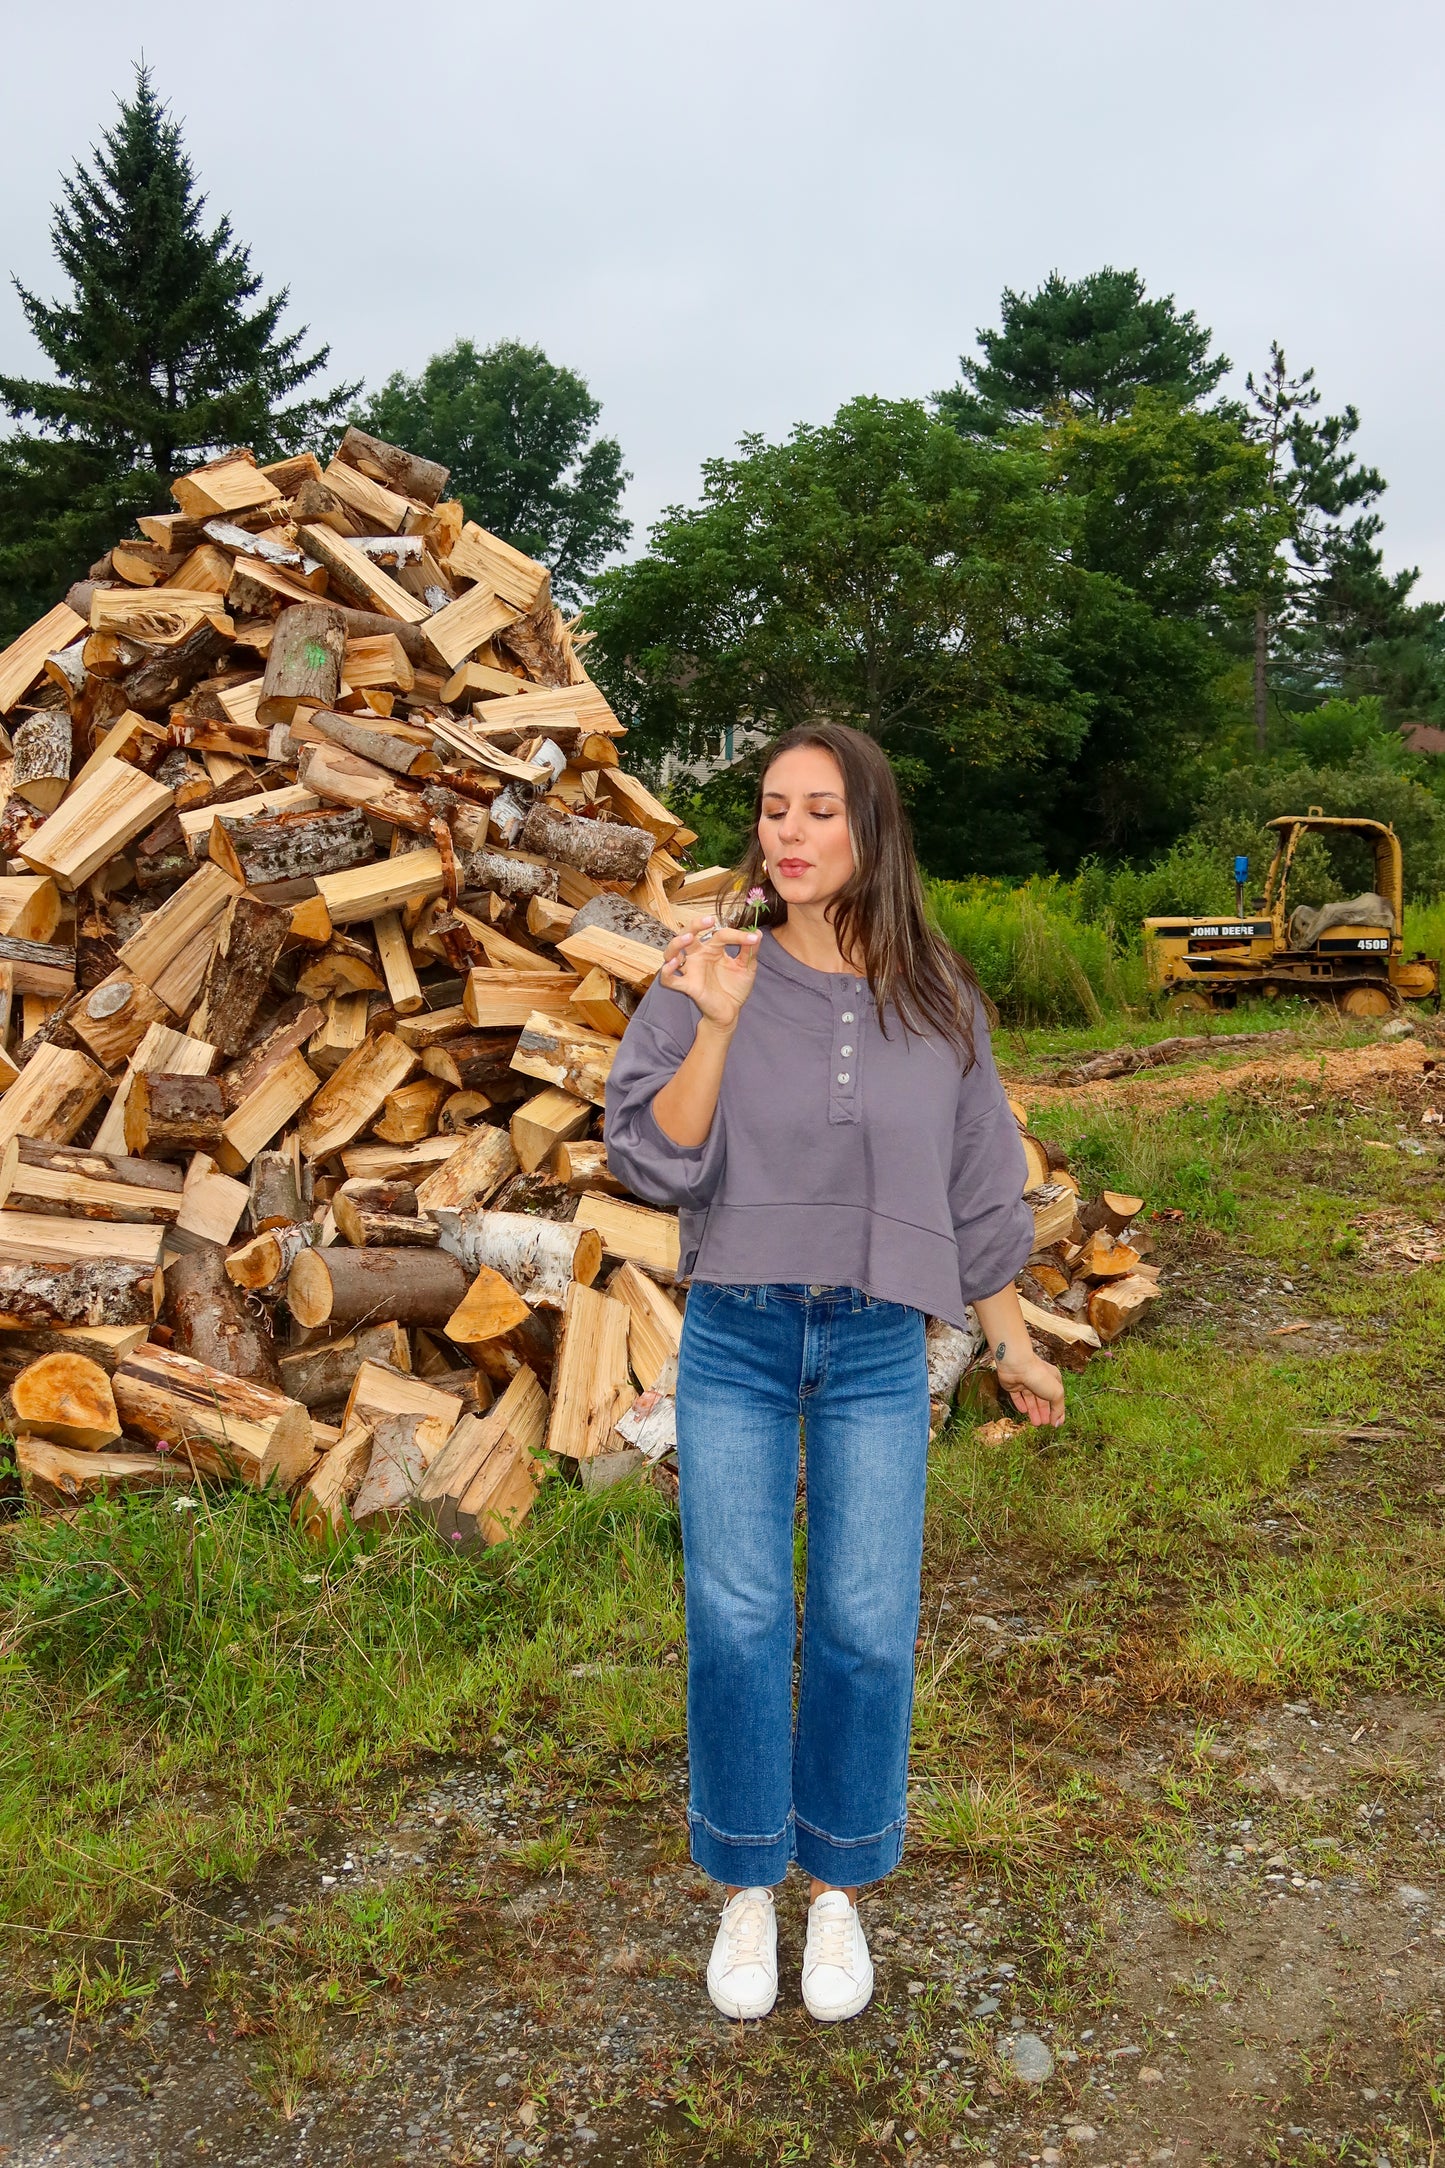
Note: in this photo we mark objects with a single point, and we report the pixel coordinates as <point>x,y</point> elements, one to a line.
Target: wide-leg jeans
<point>829,1789</point>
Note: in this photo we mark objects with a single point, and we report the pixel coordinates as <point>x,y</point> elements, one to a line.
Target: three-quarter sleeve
<point>639,1151</point>
<point>992,1225</point>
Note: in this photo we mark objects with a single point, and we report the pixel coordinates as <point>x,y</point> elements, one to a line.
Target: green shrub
<point>1039,961</point>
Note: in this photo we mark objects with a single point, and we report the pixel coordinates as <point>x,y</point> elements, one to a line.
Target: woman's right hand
<point>698,965</point>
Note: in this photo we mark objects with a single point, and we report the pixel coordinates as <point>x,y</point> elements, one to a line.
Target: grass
<point>1200,1536</point>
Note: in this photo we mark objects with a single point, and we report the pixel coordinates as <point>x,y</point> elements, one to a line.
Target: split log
<point>115,1016</point>
<point>379,1390</point>
<point>346,1286</point>
<point>322,1505</point>
<point>510,874</point>
<point>65,1182</point>
<point>282,1092</point>
<point>95,822</point>
<point>320,1377</point>
<point>1112,1211</point>
<point>460,1110</point>
<point>615,914</point>
<point>632,1231</point>
<point>170,1117</point>
<point>606,850</point>
<point>546,1121</point>
<point>351,1099</point>
<point>344,966</point>
<point>540,1258</point>
<point>365,1227</point>
<point>275,1190</point>
<point>251,938</point>
<point>42,747</point>
<point>211,1206</point>
<point>604,1005</point>
<point>399,1460</point>
<point>68,1399</point>
<point>211,1322</point>
<point>1102,1258</point>
<point>262,1263</point>
<point>225,1426</point>
<point>383,886</point>
<point>172,947</point>
<point>566,1055</point>
<point>344,778</point>
<point>1053,1207</point>
<point>303,662</point>
<point>55,1478</point>
<point>591,1387</point>
<point>103,1344</point>
<point>91,1291</point>
<point>479,1061</point>
<point>582,1165</point>
<point>160,1050</point>
<point>548,921</point>
<point>1119,1303</point>
<point>635,963</point>
<point>410,1113</point>
<point>341,1032</point>
<point>490,1309</point>
<point>654,1327</point>
<point>400,751</point>
<point>295,1025</point>
<point>1065,1338</point>
<point>537,1195</point>
<point>406,472</point>
<point>402,983</point>
<point>54,1094</point>
<point>483,1481</point>
<point>38,967</point>
<point>359,581</point>
<point>470,1174</point>
<point>291,846</point>
<point>504,1000</point>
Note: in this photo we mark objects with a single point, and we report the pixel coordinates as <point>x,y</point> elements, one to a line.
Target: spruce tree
<point>164,353</point>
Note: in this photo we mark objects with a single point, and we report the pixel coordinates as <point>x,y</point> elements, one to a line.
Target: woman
<point>819,1101</point>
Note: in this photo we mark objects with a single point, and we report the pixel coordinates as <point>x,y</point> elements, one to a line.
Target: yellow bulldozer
<point>1350,953</point>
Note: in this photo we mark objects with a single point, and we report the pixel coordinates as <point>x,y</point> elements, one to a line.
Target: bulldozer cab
<point>1388,885</point>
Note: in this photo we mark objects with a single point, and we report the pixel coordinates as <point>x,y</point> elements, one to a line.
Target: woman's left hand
<point>1035,1387</point>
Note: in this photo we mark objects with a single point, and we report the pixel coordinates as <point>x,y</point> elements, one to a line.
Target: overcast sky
<point>732,218</point>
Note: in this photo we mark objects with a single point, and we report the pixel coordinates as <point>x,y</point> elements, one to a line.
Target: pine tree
<point>163,353</point>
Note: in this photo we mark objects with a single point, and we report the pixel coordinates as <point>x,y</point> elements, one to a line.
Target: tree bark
<point>321,1377</point>
<point>540,1258</point>
<point>211,1320</point>
<point>615,914</point>
<point>226,1426</point>
<point>275,1194</point>
<point>239,972</point>
<point>42,759</point>
<point>517,879</point>
<point>97,1291</point>
<point>170,1117</point>
<point>290,846</point>
<point>607,850</point>
<point>406,472</point>
<point>346,1287</point>
<point>303,664</point>
<point>387,750</point>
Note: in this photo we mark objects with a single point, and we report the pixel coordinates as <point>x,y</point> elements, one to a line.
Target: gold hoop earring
<point>765,865</point>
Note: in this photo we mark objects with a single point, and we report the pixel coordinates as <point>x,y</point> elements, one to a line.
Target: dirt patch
<point>1338,1072</point>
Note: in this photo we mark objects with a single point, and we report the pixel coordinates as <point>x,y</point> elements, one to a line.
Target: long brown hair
<point>880,910</point>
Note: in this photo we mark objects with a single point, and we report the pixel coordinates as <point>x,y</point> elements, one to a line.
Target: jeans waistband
<point>811,1296</point>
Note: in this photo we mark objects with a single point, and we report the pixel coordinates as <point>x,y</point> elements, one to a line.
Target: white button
<point>845,1050</point>
<point>842,1076</point>
<point>847,1016</point>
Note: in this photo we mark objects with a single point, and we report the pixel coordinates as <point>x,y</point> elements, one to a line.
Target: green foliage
<point>162,354</point>
<point>1091,344</point>
<point>1039,961</point>
<point>880,570</point>
<point>518,433</point>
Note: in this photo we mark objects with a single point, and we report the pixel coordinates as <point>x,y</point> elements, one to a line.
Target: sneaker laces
<point>745,1923</point>
<point>830,1938</point>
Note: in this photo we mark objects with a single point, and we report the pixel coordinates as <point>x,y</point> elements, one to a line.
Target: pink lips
<point>790,867</point>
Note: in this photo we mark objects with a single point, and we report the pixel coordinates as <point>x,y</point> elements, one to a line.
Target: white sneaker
<point>742,1973</point>
<point>837,1970</point>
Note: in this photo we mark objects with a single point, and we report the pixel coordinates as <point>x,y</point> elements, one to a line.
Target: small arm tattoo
<point>1000,1351</point>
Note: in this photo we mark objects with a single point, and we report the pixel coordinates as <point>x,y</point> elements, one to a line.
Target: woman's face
<point>803,827</point>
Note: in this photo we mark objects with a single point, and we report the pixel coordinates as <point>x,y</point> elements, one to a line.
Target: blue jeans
<point>830,1791</point>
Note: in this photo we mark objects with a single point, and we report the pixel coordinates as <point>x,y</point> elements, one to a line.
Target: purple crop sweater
<point>836,1156</point>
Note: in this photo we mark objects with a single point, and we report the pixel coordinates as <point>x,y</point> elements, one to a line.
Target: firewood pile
<point>325,904</point>
<point>1087,1281</point>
